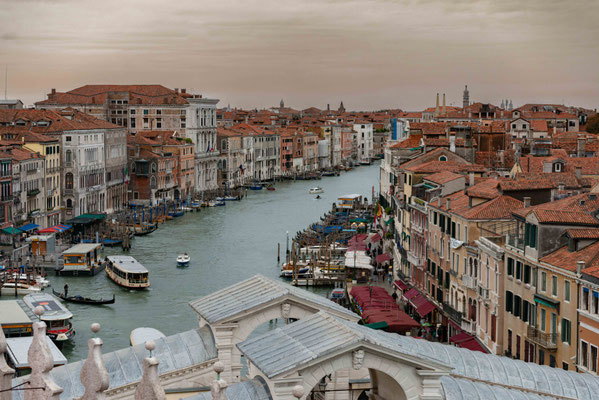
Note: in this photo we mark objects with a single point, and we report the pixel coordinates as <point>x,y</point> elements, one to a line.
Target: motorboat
<point>8,288</point>
<point>56,316</point>
<point>231,198</point>
<point>315,190</point>
<point>183,260</point>
<point>37,280</point>
<point>271,188</point>
<point>255,187</point>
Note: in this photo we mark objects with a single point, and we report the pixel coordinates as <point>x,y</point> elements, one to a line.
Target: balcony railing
<point>515,241</point>
<point>546,340</point>
<point>34,192</point>
<point>469,282</point>
<point>415,260</point>
<point>453,313</point>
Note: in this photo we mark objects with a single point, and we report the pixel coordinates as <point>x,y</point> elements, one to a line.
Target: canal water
<point>226,245</point>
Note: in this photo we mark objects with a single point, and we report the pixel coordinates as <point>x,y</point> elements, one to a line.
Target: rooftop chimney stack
<point>580,147</point>
<point>471,179</point>
<point>578,172</point>
<point>579,267</point>
<point>526,202</point>
<point>444,106</point>
<point>448,203</point>
<point>437,106</point>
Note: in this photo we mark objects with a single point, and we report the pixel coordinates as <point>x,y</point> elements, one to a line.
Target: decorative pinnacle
<point>95,328</point>
<point>218,367</point>
<point>298,391</point>
<point>39,311</point>
<point>150,346</point>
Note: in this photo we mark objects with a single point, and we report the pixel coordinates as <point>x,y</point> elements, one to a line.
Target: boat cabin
<point>82,259</point>
<point>349,201</point>
<point>126,271</point>
<point>42,245</point>
<point>56,316</point>
<point>14,320</point>
<point>17,349</point>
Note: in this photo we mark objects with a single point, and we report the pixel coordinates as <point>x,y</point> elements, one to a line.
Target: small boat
<point>315,190</point>
<point>256,186</point>
<point>144,229</point>
<point>38,279</point>
<point>328,173</point>
<point>219,203</point>
<point>220,199</point>
<point>183,260</point>
<point>271,188</point>
<point>126,271</point>
<point>232,198</point>
<point>83,300</point>
<point>337,294</point>
<point>186,209</point>
<point>56,316</point>
<point>8,288</point>
<point>177,213</point>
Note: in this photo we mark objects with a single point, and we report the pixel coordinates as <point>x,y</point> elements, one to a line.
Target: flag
<point>242,170</point>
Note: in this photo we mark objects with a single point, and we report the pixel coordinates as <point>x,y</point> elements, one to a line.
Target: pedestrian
<point>66,289</point>
<point>374,274</point>
<point>390,278</point>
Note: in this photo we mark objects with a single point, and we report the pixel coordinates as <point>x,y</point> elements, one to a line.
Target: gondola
<point>83,300</point>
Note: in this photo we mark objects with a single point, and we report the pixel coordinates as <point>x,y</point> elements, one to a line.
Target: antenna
<point>5,80</point>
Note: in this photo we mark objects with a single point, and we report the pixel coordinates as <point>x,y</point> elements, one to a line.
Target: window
<point>525,310</point>
<point>146,112</point>
<point>530,235</point>
<point>553,327</point>
<point>68,181</point>
<point>68,156</point>
<point>595,303</point>
<point>158,122</point>
<point>554,285</point>
<point>68,138</point>
<point>518,270</point>
<point>465,234</point>
<point>543,319</point>
<point>146,123</point>
<point>527,274</point>
<point>567,291</point>
<point>510,267</point>
<point>513,126</point>
<point>541,357</point>
<point>442,158</point>
<point>435,218</point>
<point>509,299</point>
<point>509,341</point>
<point>543,281</point>
<point>584,354</point>
<point>517,306</point>
<point>566,330</point>
<point>159,112</point>
<point>584,303</point>
<point>593,358</point>
<point>132,112</point>
<point>132,124</point>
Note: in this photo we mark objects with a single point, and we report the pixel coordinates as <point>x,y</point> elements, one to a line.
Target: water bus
<point>127,272</point>
<point>56,316</point>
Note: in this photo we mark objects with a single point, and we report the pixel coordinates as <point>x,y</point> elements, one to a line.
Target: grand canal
<point>226,244</point>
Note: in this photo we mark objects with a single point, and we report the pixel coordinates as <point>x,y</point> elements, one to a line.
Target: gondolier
<point>66,289</point>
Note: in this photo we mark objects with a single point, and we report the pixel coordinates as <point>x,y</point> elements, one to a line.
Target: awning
<point>378,325</point>
<point>387,222</point>
<point>93,216</point>
<point>423,305</point>
<point>375,238</point>
<point>401,285</point>
<point>467,341</point>
<point>546,301</point>
<point>12,230</point>
<point>381,258</point>
<point>28,227</point>
<point>411,293</point>
<point>56,229</point>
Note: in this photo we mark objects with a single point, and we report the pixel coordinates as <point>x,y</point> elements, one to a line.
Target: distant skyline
<point>369,54</point>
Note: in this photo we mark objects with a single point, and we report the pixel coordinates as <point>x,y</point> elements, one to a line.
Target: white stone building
<point>365,141</point>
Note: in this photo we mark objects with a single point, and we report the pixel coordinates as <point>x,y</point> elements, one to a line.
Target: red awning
<point>411,293</point>
<point>422,305</point>
<point>467,341</point>
<point>375,238</point>
<point>401,285</point>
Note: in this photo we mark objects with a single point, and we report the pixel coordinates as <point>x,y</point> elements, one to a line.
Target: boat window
<point>76,259</point>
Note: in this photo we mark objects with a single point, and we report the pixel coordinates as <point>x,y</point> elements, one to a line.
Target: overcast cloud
<point>249,53</point>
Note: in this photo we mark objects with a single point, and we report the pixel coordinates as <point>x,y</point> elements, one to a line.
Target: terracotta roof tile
<point>443,177</point>
<point>564,259</point>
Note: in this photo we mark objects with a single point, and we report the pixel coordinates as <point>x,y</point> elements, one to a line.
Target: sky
<point>370,54</point>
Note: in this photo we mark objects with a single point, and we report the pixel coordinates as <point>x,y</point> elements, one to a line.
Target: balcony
<point>68,192</point>
<point>415,260</point>
<point>515,242</point>
<point>546,340</point>
<point>33,192</point>
<point>469,282</point>
<point>483,294</point>
<point>452,313</point>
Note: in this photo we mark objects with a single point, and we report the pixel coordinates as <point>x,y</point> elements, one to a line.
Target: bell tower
<point>466,101</point>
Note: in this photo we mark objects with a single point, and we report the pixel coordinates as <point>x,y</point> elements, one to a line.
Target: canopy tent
<point>28,227</point>
<point>357,259</point>
<point>56,229</point>
<point>11,230</point>
<point>466,341</point>
<point>411,293</point>
<point>422,305</point>
<point>375,238</point>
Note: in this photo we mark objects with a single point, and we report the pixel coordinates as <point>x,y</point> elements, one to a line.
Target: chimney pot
<point>53,91</point>
<point>176,90</point>
<point>471,178</point>
<point>448,203</point>
<point>578,172</point>
<point>183,90</point>
<point>526,202</point>
<point>579,267</point>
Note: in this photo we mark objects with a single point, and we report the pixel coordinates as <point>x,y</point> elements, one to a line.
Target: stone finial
<point>94,376</point>
<point>298,391</point>
<point>149,388</point>
<point>218,386</point>
<point>40,386</point>
<point>6,373</point>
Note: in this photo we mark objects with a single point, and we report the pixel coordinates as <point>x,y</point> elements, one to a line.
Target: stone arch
<point>391,380</point>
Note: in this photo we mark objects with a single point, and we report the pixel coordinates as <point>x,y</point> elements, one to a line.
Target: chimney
<point>561,187</point>
<point>437,106</point>
<point>444,107</point>
<point>448,203</point>
<point>579,267</point>
<point>469,202</point>
<point>471,179</point>
<point>452,144</point>
<point>439,202</point>
<point>580,147</point>
<point>554,129</point>
<point>176,90</point>
<point>183,90</point>
<point>553,194</point>
<point>501,156</point>
<point>578,172</point>
<point>526,202</point>
<point>53,91</point>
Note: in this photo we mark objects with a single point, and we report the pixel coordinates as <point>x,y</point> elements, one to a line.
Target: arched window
<point>442,158</point>
<point>68,181</point>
